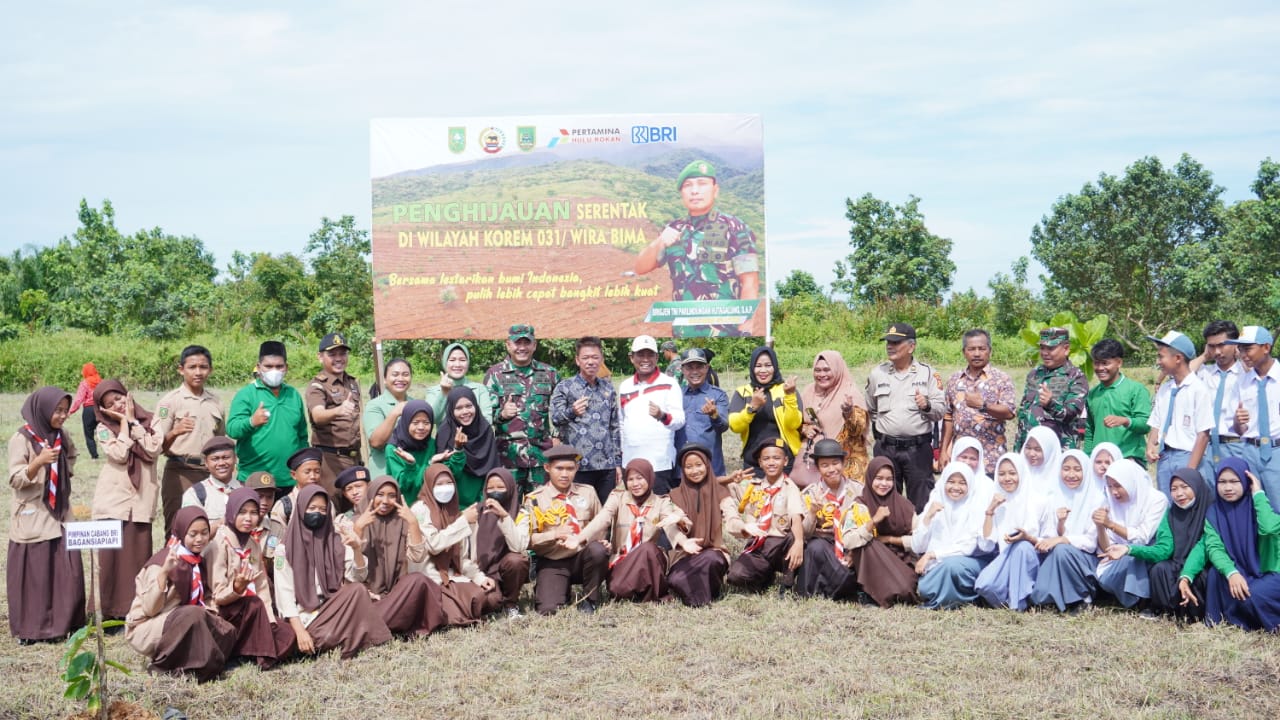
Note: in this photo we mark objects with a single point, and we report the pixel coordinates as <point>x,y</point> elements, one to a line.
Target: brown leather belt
<point>351,452</point>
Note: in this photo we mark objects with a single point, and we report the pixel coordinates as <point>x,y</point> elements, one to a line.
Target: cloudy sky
<point>243,125</point>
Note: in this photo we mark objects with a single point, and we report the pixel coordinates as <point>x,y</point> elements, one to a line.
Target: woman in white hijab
<point>1043,452</point>
<point>968,451</point>
<point>947,541</point>
<point>1133,513</point>
<point>1017,518</point>
<point>1068,573</point>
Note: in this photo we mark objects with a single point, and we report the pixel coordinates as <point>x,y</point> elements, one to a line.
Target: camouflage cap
<point>1054,336</point>
<point>696,169</point>
<point>515,332</point>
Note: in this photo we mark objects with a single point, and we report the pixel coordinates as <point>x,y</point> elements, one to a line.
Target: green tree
<point>343,277</point>
<point>1013,301</point>
<point>799,283</point>
<point>148,284</point>
<point>894,254</point>
<point>1251,250</point>
<point>1142,248</point>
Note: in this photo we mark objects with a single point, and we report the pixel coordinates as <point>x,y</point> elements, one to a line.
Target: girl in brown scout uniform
<point>886,565</point>
<point>172,620</point>
<point>771,518</point>
<point>319,578</point>
<point>127,490</point>
<point>633,517</point>
<point>45,582</point>
<point>698,566</point>
<point>501,545</point>
<point>466,591</point>
<point>393,542</point>
<point>241,589</point>
<point>835,523</point>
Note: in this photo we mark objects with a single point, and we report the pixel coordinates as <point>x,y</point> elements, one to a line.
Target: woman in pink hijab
<point>833,407</point>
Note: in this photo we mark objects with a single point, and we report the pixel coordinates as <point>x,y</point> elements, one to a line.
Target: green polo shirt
<point>1126,398</point>
<point>268,446</point>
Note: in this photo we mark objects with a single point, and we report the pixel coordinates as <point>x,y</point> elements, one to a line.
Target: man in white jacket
<point>651,411</point>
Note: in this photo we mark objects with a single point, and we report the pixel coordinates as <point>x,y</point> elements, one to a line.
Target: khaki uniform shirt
<point>224,562</point>
<point>545,514</point>
<point>751,500</point>
<point>891,399</point>
<point>330,391</point>
<point>205,409</point>
<point>616,519</point>
<point>31,521</point>
<point>144,625</point>
<point>114,497</point>
<point>821,515</point>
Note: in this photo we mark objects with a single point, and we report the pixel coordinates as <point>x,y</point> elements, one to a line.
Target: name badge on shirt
<point>580,502</point>
<point>1186,422</point>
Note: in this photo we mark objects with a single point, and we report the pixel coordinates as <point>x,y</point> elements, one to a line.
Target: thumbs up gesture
<point>922,401</point>
<point>1045,395</point>
<point>1242,418</point>
<point>184,425</point>
<point>260,416</point>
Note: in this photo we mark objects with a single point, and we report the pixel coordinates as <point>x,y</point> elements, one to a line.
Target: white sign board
<point>104,534</point>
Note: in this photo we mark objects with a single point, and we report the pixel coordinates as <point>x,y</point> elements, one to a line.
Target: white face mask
<point>443,493</point>
<point>272,378</point>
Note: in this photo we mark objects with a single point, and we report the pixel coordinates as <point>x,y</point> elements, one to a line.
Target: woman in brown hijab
<point>501,544</point>
<point>466,591</point>
<point>884,566</point>
<point>631,520</point>
<point>319,582</point>
<point>127,490</point>
<point>173,620</point>
<point>45,582</point>
<point>834,408</point>
<point>408,601</point>
<point>697,570</point>
<point>241,589</point>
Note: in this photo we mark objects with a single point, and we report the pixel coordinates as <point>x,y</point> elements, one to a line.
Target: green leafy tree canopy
<point>894,254</point>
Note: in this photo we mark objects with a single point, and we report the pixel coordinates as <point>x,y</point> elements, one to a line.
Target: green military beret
<point>696,169</point>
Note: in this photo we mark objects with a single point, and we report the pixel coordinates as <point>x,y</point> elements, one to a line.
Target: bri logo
<point>653,134</point>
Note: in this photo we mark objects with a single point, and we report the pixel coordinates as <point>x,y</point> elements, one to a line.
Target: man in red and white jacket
<point>651,410</point>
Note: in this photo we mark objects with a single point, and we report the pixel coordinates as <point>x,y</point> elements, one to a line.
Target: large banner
<point>610,225</point>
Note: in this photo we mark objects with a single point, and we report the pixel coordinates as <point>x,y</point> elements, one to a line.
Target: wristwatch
<point>983,409</point>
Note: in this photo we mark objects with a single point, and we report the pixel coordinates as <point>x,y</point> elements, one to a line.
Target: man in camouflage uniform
<point>710,255</point>
<point>1055,393</point>
<point>521,390</point>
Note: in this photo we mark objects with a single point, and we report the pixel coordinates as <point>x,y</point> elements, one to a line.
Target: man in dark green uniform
<point>1055,394</point>
<point>521,390</point>
<point>710,255</point>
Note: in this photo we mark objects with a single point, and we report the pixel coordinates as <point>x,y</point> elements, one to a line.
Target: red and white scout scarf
<point>570,514</point>
<point>764,520</point>
<point>636,536</point>
<point>52,498</point>
<point>243,553</point>
<point>837,525</point>
<point>197,582</point>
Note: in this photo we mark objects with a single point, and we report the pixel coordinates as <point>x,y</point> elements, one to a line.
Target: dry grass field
<point>746,656</point>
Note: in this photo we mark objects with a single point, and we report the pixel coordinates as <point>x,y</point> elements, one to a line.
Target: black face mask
<point>500,496</point>
<point>314,520</point>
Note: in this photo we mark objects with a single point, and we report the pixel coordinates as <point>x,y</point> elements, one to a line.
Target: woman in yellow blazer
<point>766,409</point>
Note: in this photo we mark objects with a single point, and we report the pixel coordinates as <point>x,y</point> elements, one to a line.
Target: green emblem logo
<point>164,412</point>
<point>526,137</point>
<point>457,139</point>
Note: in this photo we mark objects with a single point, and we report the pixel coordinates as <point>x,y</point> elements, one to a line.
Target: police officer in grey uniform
<point>904,398</point>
